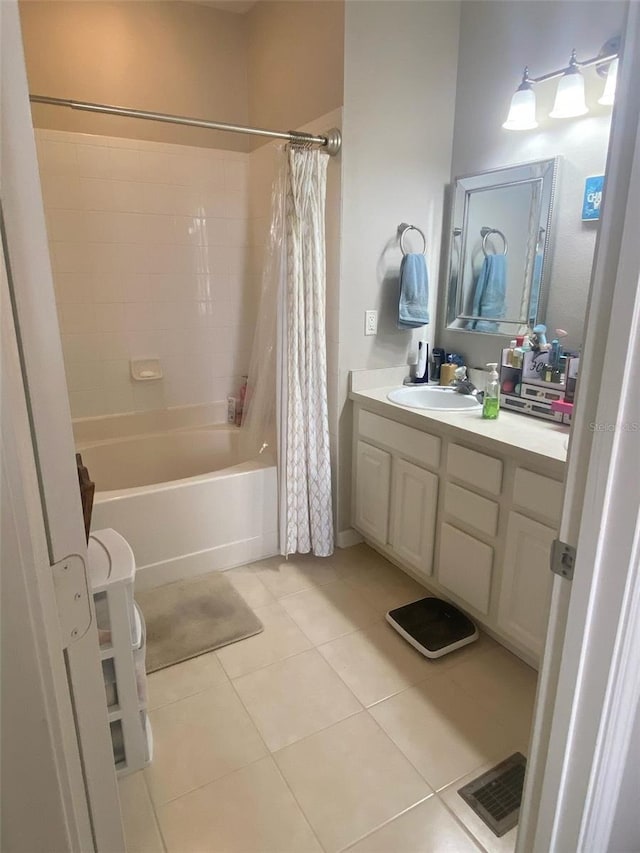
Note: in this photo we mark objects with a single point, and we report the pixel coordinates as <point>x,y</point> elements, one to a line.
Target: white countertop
<point>547,439</point>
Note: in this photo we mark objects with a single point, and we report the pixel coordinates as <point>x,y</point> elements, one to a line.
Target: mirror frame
<point>545,171</point>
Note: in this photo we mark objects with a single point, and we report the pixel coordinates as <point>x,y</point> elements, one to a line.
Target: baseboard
<point>347,538</point>
<point>211,560</point>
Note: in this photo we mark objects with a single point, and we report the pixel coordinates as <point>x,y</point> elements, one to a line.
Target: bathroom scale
<point>432,626</point>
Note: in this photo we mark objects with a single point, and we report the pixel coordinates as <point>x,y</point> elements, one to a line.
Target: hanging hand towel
<point>490,294</point>
<point>413,310</point>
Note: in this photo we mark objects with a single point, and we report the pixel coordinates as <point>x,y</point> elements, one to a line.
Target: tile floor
<point>326,732</point>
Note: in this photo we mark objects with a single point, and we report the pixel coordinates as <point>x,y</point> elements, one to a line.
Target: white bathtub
<point>183,498</point>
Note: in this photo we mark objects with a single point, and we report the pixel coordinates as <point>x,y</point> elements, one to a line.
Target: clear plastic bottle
<point>491,400</point>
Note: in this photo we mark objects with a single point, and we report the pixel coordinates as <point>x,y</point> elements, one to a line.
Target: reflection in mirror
<point>498,257</point>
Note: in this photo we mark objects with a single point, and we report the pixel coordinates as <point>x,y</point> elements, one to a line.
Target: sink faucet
<point>463,385</point>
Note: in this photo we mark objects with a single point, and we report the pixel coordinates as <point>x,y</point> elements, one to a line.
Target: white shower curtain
<point>288,371</point>
<point>304,435</point>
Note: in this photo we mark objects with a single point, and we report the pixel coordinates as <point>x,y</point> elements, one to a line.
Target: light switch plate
<point>371,322</point>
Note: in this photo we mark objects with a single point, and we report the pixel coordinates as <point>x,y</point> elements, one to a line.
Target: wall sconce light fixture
<point>569,101</point>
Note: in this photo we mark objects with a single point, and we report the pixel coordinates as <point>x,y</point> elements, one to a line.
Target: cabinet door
<point>414,505</point>
<point>373,477</point>
<point>464,566</point>
<point>526,581</point>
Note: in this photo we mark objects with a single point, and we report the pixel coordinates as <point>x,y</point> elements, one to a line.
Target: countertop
<point>546,439</point>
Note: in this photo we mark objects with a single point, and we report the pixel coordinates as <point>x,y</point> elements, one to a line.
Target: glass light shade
<point>522,113</point>
<point>609,93</point>
<point>569,101</point>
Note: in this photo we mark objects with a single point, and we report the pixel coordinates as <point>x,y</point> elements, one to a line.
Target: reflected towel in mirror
<point>489,299</point>
<point>413,309</point>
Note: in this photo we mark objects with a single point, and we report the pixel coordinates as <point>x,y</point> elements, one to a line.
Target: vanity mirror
<point>499,248</point>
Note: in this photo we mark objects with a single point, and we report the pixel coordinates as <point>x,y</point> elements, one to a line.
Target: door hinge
<point>72,598</point>
<point>563,557</point>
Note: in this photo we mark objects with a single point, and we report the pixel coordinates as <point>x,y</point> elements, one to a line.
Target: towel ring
<point>486,233</point>
<point>404,228</point>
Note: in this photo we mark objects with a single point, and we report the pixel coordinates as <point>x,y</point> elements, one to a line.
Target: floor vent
<point>496,795</point>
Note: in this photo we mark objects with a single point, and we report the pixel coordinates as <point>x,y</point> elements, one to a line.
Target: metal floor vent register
<point>432,626</point>
<point>496,795</point>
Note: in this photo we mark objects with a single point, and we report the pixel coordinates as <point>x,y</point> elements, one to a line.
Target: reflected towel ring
<point>486,233</point>
<point>403,228</point>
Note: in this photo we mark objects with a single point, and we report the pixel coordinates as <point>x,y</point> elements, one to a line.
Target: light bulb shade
<point>569,101</point>
<point>522,113</point>
<point>608,96</point>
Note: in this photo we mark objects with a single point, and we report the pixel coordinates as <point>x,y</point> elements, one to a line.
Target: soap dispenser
<point>491,399</point>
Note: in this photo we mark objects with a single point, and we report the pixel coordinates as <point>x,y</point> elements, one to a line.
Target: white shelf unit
<point>122,637</point>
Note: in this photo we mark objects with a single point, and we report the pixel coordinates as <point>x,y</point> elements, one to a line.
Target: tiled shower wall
<point>150,252</point>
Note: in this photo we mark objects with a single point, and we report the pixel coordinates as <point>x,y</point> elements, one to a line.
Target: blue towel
<point>490,293</point>
<point>536,280</point>
<point>413,310</point>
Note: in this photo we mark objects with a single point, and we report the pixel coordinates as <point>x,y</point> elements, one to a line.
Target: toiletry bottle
<point>511,355</point>
<point>491,400</point>
<point>422,374</point>
<point>437,360</point>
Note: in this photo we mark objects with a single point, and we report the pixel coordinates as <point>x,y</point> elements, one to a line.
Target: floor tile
<point>426,828</point>
<point>504,685</point>
<point>246,581</point>
<point>383,585</point>
<point>478,828</point>
<point>184,679</point>
<point>300,571</point>
<point>280,639</point>
<point>329,611</point>
<point>349,779</point>
<point>442,730</point>
<point>140,829</point>
<point>376,662</point>
<point>295,698</point>
<point>198,739</point>
<point>249,811</point>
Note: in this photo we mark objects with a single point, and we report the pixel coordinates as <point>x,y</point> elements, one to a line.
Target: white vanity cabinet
<point>373,476</point>
<point>395,495</point>
<point>468,519</point>
<point>415,502</point>
<point>525,590</point>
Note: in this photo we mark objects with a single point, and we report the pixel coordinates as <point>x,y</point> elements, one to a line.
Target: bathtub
<point>182,496</point>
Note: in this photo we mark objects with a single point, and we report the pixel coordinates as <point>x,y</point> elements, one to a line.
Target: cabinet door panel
<point>373,477</point>
<point>415,501</point>
<point>526,581</point>
<point>465,566</point>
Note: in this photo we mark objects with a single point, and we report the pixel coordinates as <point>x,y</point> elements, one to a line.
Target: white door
<point>414,506</point>
<point>373,479</point>
<point>589,688</point>
<point>525,590</point>
<point>35,321</point>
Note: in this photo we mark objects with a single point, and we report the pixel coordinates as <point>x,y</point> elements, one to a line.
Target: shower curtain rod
<point>331,140</point>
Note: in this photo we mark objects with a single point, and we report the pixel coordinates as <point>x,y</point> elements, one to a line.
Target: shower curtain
<point>288,372</point>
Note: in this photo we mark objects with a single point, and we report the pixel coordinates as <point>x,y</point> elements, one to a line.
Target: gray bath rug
<point>188,618</point>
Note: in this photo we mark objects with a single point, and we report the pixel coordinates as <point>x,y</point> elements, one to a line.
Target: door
<point>525,590</point>
<point>373,477</point>
<point>589,687</point>
<point>414,506</point>
<point>42,377</point>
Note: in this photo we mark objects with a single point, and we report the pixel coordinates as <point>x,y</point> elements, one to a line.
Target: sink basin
<point>434,398</point>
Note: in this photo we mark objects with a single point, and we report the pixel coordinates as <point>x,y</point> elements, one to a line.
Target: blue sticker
<point>592,197</point>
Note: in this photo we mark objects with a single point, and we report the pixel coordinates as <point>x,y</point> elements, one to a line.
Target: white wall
<point>149,250</point>
<point>496,40</point>
<point>400,79</point>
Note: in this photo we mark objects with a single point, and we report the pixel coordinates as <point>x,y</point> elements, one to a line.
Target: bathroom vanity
<point>468,507</point>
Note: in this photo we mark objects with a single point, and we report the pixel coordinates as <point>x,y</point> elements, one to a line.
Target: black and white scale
<point>433,626</point>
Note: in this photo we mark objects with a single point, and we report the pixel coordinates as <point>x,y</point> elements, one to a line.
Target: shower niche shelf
<point>122,639</point>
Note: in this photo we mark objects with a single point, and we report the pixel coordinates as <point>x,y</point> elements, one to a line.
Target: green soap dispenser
<point>491,400</point>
